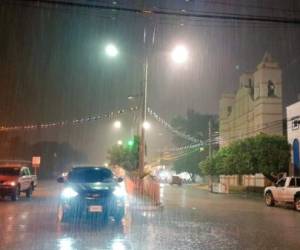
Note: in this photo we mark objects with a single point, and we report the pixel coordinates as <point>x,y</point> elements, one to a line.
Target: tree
<point>125,156</point>
<point>196,125</point>
<point>266,154</point>
<point>189,163</point>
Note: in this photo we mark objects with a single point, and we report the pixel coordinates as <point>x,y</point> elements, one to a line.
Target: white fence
<point>257,180</point>
<point>229,180</point>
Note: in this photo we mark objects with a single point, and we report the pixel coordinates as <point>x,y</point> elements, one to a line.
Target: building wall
<point>257,105</point>
<point>293,129</point>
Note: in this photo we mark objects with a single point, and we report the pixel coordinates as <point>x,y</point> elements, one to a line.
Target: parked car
<point>91,191</point>
<point>15,180</point>
<point>176,180</point>
<point>286,190</point>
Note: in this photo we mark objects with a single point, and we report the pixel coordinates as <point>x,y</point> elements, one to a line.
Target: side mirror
<point>120,179</point>
<point>60,179</point>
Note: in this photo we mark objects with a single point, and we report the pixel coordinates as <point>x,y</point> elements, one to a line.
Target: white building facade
<point>293,129</point>
<point>256,107</point>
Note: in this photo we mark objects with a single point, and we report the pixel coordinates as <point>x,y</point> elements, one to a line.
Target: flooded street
<point>191,218</point>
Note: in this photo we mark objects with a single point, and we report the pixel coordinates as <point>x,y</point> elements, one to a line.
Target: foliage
<point>125,156</point>
<point>260,154</point>
<point>196,125</point>
<point>189,163</point>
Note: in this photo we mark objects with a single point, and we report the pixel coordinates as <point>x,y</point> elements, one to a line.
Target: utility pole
<point>209,139</point>
<point>144,112</point>
<point>209,151</point>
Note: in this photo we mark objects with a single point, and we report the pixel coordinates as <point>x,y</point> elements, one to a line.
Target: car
<point>176,180</point>
<point>285,190</point>
<point>91,191</point>
<point>16,179</point>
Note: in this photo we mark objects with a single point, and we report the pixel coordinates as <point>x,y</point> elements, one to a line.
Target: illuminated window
<point>271,88</point>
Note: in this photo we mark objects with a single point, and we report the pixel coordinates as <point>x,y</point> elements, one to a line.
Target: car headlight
<point>9,183</point>
<point>69,193</point>
<point>119,192</point>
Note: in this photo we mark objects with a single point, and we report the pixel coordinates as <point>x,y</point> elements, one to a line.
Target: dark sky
<point>52,65</point>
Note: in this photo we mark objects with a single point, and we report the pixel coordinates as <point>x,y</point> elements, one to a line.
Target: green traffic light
<point>130,143</point>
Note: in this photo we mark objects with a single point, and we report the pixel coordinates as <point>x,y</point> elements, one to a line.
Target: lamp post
<point>143,120</point>
<point>179,55</point>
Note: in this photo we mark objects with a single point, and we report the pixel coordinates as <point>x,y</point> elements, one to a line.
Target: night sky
<point>52,65</point>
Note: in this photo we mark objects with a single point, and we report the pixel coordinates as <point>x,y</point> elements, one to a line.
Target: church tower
<point>268,97</point>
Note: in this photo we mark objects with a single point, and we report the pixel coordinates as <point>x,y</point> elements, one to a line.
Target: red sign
<point>36,160</point>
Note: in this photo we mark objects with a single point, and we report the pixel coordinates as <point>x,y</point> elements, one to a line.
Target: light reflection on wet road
<point>191,219</point>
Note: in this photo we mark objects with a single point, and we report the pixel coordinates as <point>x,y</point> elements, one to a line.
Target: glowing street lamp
<point>117,124</point>
<point>111,50</point>
<point>146,125</point>
<point>120,142</point>
<point>180,54</point>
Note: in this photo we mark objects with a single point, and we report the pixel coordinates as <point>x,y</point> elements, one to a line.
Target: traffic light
<point>130,143</point>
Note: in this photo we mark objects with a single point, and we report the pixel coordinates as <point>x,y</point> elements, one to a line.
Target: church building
<point>256,107</point>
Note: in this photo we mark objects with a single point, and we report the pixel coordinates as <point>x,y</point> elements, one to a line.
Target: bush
<point>264,154</point>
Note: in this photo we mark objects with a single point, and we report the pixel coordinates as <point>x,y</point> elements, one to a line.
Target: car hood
<point>7,178</point>
<point>93,187</point>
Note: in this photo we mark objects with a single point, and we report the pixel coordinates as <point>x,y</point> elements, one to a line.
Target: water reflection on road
<point>191,219</point>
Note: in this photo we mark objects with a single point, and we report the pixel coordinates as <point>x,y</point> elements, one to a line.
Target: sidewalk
<point>233,191</point>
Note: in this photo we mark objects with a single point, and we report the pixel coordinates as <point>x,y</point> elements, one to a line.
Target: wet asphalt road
<point>191,219</point>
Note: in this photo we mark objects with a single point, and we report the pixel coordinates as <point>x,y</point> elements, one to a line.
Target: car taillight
<point>9,183</point>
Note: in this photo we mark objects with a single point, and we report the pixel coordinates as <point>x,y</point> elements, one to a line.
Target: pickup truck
<point>285,190</point>
<point>15,179</point>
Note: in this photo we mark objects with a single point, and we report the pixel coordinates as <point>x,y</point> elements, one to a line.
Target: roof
<point>11,165</point>
<point>89,166</point>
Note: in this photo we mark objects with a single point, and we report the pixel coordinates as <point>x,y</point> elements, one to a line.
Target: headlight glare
<point>69,193</point>
<point>119,192</point>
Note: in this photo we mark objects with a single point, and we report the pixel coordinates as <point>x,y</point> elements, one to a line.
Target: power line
<point>145,12</point>
<point>58,124</point>
<point>247,6</point>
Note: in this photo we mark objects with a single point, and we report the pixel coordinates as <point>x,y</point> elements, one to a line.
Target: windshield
<point>90,175</point>
<point>9,171</point>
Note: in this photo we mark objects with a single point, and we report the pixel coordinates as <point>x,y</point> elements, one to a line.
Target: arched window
<point>271,88</point>
<point>251,86</point>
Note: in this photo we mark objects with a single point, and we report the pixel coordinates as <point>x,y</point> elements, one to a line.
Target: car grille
<point>98,195</point>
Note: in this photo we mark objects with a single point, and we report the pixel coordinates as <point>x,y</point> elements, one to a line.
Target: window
<point>281,183</point>
<point>90,175</point>
<point>9,171</point>
<point>292,182</point>
<point>297,182</point>
<point>229,110</point>
<point>271,88</point>
<point>295,123</point>
<point>27,171</point>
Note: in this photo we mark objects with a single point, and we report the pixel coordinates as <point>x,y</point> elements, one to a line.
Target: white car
<point>286,190</point>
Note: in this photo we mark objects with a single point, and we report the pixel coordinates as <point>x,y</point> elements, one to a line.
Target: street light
<point>146,125</point>
<point>117,124</point>
<point>111,50</point>
<point>180,54</point>
<point>120,142</point>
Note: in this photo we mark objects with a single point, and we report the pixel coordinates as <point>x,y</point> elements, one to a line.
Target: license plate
<point>95,209</point>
